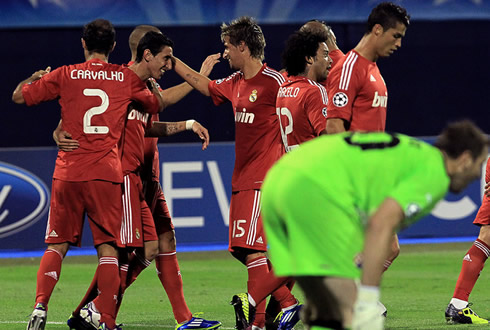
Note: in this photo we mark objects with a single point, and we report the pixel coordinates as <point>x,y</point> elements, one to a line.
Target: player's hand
<point>65,142</point>
<point>38,74</point>
<point>366,311</point>
<point>367,316</point>
<point>203,134</point>
<point>208,64</point>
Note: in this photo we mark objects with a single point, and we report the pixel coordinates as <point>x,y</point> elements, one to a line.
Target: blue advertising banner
<point>69,13</point>
<point>197,187</point>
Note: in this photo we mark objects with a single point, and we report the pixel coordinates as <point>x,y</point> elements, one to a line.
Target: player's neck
<point>91,56</point>
<point>251,68</point>
<point>366,48</point>
<point>140,70</point>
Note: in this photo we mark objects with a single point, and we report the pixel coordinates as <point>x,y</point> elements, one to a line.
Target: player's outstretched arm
<point>17,96</point>
<point>174,94</point>
<point>161,128</point>
<point>63,139</point>
<point>379,232</point>
<point>195,79</point>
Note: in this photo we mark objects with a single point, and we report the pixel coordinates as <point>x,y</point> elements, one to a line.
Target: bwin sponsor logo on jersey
<point>23,199</point>
<point>244,117</point>
<point>141,116</point>
<point>379,100</point>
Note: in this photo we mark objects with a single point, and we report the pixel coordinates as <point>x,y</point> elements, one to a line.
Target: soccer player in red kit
<point>138,223</point>
<point>302,101</point>
<point>357,93</point>
<point>356,90</point>
<point>94,97</point>
<point>458,310</point>
<point>252,90</point>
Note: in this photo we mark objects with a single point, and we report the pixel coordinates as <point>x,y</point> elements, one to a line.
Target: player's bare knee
<point>484,234</point>
<point>167,242</point>
<point>61,248</point>
<point>244,255</point>
<point>106,250</point>
<point>151,250</point>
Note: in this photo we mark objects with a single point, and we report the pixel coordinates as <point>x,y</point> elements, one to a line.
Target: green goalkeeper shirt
<point>360,170</point>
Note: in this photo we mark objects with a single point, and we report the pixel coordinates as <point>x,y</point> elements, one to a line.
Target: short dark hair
<point>99,36</point>
<point>299,46</point>
<point>387,14</point>
<point>155,42</point>
<point>460,136</point>
<point>247,30</point>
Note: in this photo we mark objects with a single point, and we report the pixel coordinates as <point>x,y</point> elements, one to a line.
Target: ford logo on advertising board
<point>24,199</point>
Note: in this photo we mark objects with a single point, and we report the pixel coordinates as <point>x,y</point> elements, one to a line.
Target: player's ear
<point>84,46</point>
<point>464,161</point>
<point>309,60</point>
<point>241,46</point>
<point>377,30</point>
<point>147,55</point>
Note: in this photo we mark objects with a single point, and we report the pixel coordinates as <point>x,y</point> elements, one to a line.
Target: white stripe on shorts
<point>252,231</point>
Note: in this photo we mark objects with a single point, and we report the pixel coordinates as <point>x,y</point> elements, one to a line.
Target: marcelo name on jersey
<point>244,117</point>
<point>288,92</point>
<point>379,100</point>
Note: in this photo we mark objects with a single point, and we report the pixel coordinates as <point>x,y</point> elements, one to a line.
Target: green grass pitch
<point>416,289</point>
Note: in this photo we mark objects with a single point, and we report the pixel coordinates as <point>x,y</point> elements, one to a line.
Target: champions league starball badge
<point>253,96</point>
<point>340,99</point>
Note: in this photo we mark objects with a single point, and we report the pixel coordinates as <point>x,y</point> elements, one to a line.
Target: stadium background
<point>440,74</point>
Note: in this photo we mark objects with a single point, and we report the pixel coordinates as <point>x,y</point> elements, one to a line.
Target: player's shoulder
<point>232,78</point>
<point>274,76</point>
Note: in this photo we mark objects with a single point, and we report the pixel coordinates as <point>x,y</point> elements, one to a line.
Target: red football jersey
<point>151,164</point>
<point>257,136</point>
<point>302,106</point>
<point>133,141</point>
<point>336,55</point>
<point>94,98</point>
<point>357,93</point>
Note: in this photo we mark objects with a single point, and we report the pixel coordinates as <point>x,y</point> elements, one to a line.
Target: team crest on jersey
<point>340,99</point>
<point>253,96</point>
<point>324,112</point>
<point>137,233</point>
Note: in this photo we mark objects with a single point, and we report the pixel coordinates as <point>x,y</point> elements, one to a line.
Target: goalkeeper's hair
<point>462,136</point>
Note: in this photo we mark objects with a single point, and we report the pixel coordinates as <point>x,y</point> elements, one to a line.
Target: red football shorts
<point>70,201</point>
<point>483,215</point>
<point>246,229</point>
<point>137,223</point>
<point>158,206</point>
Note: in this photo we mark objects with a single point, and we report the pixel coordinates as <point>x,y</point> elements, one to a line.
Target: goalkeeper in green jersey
<point>339,195</point>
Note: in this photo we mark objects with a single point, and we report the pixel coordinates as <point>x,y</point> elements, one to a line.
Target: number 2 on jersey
<point>87,125</point>
<point>288,129</point>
